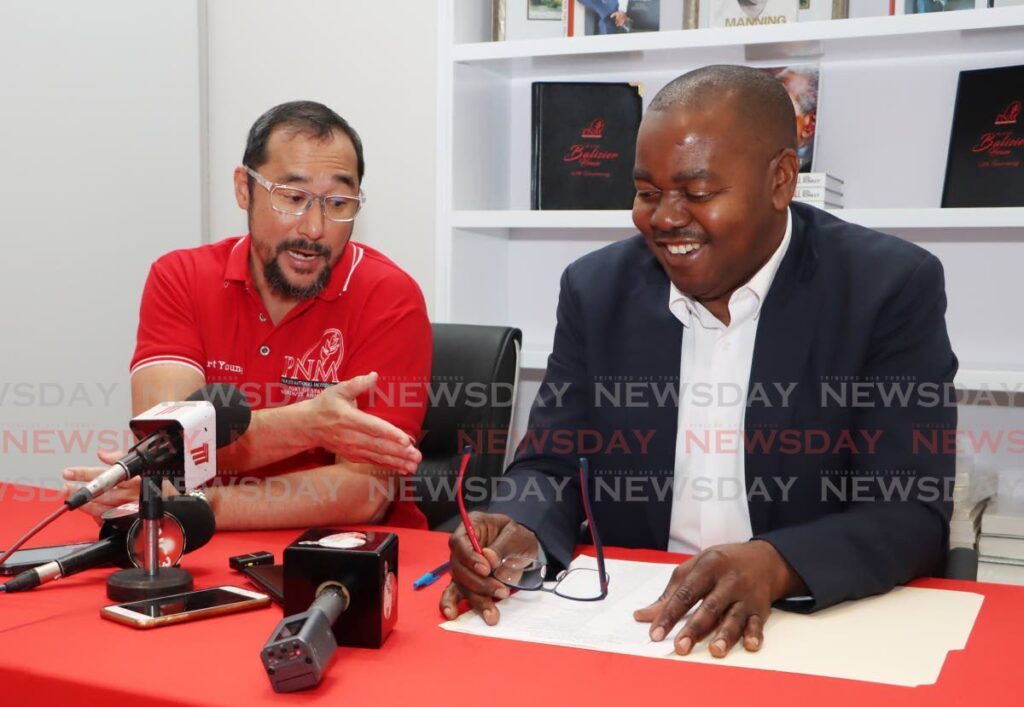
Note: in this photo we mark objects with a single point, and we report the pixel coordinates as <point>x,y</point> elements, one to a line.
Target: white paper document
<point>842,641</point>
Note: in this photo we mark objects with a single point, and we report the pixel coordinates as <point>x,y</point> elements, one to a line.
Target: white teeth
<point>301,256</point>
<point>682,249</point>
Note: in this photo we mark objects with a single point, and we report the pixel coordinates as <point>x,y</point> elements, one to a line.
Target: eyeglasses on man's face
<point>293,201</point>
<point>527,573</point>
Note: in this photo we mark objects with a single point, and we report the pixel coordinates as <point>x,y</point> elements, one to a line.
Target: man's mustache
<point>307,246</point>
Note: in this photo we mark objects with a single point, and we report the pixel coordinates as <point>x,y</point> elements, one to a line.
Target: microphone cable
<point>31,533</point>
<point>64,507</point>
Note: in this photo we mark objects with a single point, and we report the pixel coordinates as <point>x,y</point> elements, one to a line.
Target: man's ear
<point>241,179</point>
<point>784,176</point>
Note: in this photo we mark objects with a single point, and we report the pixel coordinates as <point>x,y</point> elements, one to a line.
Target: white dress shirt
<point>709,490</point>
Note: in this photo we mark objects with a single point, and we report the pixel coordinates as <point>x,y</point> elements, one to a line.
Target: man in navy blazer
<point>844,450</point>
<point>609,18</point>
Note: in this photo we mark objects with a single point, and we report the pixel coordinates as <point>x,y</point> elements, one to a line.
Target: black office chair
<point>473,383</point>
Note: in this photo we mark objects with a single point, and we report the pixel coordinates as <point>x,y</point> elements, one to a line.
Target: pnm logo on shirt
<point>319,366</point>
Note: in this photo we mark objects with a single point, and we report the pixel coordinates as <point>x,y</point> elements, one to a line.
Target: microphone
<point>297,654</point>
<point>165,446</point>
<point>340,589</point>
<point>189,515</point>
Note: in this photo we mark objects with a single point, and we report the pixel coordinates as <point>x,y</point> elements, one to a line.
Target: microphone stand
<point>151,580</point>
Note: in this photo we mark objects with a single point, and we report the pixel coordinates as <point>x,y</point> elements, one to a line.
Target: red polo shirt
<point>200,309</point>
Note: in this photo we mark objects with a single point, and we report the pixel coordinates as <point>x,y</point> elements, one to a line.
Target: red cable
<point>28,536</point>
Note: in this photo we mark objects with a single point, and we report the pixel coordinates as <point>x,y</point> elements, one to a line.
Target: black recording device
<point>340,588</point>
<point>250,559</point>
<point>268,579</point>
<point>259,568</point>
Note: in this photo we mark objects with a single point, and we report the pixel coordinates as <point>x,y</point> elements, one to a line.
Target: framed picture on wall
<point>544,10</point>
<point>526,19</point>
<point>814,10</point>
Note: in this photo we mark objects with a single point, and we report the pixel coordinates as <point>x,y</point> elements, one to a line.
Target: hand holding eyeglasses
<point>738,584</point>
<point>500,537</point>
<point>492,554</point>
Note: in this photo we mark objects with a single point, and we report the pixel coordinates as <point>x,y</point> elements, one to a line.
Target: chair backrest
<point>473,382</point>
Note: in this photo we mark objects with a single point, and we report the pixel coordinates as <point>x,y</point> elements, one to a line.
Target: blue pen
<point>431,576</point>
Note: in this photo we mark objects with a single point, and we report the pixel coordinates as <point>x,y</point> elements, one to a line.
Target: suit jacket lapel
<point>654,350</point>
<point>785,331</point>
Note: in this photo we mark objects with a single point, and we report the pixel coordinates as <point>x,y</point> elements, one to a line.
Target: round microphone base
<point>136,584</point>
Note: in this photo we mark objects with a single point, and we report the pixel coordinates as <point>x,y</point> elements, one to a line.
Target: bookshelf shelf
<point>1010,379</point>
<point>882,219</point>
<point>931,34</point>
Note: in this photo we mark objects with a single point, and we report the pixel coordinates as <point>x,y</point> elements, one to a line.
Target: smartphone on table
<point>22,560</point>
<point>189,606</point>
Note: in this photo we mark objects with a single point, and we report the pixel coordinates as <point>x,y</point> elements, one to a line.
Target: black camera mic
<point>340,588</point>
<point>191,516</point>
<point>163,447</point>
<point>297,653</point>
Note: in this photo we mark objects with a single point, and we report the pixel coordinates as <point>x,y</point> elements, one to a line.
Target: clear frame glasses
<point>293,201</point>
<point>527,573</point>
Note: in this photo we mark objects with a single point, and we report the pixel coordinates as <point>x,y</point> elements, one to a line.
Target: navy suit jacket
<point>855,493</point>
<point>603,9</point>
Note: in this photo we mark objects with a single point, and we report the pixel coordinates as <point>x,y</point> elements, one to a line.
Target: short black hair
<point>303,117</point>
<point>763,99</point>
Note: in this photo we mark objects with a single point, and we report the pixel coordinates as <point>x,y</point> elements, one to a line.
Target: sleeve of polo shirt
<point>168,330</point>
<point>396,341</point>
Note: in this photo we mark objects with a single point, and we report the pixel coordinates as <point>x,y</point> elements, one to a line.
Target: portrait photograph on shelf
<point>917,7</point>
<point>801,82</point>
<point>590,17</point>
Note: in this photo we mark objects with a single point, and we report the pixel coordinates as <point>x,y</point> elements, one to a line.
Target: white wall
<point>375,64</point>
<point>100,137</point>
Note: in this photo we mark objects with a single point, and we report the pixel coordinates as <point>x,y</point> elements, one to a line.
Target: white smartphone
<point>189,606</point>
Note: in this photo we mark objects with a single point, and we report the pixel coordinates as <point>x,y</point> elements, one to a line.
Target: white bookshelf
<point>901,220</point>
<point>902,36</point>
<point>886,103</point>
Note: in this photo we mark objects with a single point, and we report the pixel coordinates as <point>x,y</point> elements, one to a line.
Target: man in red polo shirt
<point>319,332</point>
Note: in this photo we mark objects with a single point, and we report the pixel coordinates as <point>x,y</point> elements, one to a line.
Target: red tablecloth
<point>54,647</point>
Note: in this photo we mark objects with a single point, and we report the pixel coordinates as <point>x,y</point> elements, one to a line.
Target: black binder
<point>584,144</point>
<point>985,166</point>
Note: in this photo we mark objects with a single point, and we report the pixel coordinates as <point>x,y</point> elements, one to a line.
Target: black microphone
<point>160,449</point>
<point>193,515</point>
<point>340,589</point>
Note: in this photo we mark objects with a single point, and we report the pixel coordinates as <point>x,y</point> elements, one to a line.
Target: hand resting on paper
<point>738,584</point>
<point>500,537</point>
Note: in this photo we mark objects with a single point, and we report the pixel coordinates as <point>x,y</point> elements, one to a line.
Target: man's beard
<point>278,281</point>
